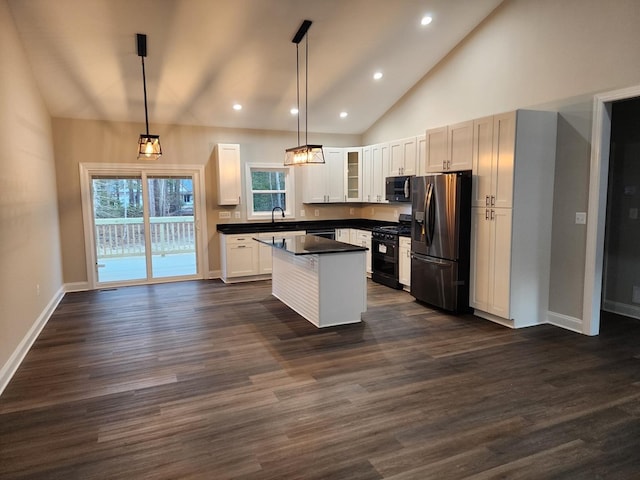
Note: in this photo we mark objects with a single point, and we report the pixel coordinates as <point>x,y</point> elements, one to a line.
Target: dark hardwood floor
<point>205,380</point>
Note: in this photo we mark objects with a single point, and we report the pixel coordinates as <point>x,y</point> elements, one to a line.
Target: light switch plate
<point>302,213</point>
<point>224,214</point>
<point>316,212</point>
<point>236,214</point>
<point>581,218</point>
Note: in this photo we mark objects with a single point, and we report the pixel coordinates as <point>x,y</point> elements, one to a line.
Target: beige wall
<point>29,236</point>
<point>78,141</point>
<point>545,54</point>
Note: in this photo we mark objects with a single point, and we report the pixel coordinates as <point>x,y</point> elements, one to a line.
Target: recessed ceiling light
<point>377,75</point>
<point>343,114</point>
<point>426,20</point>
<point>294,111</point>
<point>237,106</point>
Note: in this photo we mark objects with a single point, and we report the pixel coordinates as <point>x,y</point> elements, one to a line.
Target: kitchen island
<point>321,279</point>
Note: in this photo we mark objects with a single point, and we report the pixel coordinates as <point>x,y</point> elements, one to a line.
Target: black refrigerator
<point>440,240</point>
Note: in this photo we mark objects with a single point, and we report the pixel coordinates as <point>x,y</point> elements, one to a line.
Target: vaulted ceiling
<point>206,55</point>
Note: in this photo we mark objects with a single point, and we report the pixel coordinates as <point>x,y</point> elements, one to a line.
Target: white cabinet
<point>377,173</point>
<point>421,155</point>
<point>343,235</point>
<point>242,258</point>
<point>265,253</point>
<point>375,168</point>
<point>449,148</point>
<point>403,157</point>
<point>494,146</point>
<point>490,260</point>
<point>362,238</point>
<point>353,178</point>
<point>436,149</point>
<point>512,213</point>
<point>228,170</point>
<point>239,255</point>
<point>324,183</point>
<point>404,259</point>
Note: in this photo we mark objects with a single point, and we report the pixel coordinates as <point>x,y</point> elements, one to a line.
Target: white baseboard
<point>565,321</point>
<point>9,369</point>
<point>625,309</point>
<point>76,287</point>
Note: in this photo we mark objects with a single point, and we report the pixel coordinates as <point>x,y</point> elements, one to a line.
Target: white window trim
<point>290,190</point>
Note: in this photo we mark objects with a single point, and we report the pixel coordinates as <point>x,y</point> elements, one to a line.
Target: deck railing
<point>124,237</point>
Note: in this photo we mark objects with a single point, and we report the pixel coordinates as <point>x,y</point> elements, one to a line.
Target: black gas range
<point>385,245</point>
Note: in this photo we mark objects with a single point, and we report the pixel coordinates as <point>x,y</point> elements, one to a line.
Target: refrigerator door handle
<point>430,214</point>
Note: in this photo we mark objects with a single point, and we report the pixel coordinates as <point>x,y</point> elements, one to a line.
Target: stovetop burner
<point>402,228</point>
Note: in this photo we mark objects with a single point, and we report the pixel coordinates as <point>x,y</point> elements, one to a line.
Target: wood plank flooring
<point>201,380</point>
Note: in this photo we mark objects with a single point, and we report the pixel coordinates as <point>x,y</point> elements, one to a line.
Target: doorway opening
<point>143,226</point>
<point>598,185</point>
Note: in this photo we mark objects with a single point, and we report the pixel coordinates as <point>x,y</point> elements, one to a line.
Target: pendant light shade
<point>303,154</point>
<point>148,145</point>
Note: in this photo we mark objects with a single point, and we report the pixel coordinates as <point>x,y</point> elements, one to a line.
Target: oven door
<point>384,261</point>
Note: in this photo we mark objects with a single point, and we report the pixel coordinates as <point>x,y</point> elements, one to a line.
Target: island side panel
<point>295,282</point>
<point>343,288</point>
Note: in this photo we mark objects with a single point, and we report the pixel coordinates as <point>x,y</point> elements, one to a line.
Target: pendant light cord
<point>144,85</point>
<point>306,90</point>
<point>298,89</point>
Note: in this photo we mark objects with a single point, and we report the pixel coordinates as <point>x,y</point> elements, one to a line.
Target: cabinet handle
<point>493,214</point>
<point>242,246</point>
<point>486,200</point>
<point>444,164</point>
<point>486,214</point>
<point>493,200</point>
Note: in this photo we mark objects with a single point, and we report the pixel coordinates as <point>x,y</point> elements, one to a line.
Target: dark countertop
<point>309,245</point>
<point>284,225</point>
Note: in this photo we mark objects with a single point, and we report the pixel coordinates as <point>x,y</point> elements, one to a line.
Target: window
<point>269,186</point>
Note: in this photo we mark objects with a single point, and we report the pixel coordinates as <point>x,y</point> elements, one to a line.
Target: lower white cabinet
<point>491,260</point>
<point>343,235</point>
<point>362,238</point>
<point>266,250</point>
<point>239,255</point>
<point>404,259</point>
<point>242,258</point>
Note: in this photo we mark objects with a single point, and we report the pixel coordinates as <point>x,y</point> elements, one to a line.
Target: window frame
<point>289,192</point>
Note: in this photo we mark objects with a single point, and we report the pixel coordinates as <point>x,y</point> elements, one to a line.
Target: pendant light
<point>303,154</point>
<point>148,145</point>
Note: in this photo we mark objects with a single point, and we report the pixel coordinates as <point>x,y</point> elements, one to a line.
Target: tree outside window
<point>270,187</point>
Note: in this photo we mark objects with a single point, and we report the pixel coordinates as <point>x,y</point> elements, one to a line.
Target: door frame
<point>597,208</point>
<point>87,170</point>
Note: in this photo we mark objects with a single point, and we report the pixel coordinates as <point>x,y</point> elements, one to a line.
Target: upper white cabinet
<point>228,169</point>
<point>494,145</point>
<point>403,157</point>
<point>449,148</point>
<point>421,154</point>
<point>353,178</point>
<point>435,149</point>
<point>375,168</point>
<point>514,160</point>
<point>324,183</point>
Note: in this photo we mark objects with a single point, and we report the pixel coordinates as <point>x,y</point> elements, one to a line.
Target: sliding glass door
<point>144,228</point>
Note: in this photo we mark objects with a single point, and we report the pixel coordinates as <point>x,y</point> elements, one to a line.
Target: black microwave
<point>398,189</point>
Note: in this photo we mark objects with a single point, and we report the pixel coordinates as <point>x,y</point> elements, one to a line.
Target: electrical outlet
<point>302,213</point>
<point>633,213</point>
<point>373,210</point>
<point>351,211</point>
<point>224,214</point>
<point>38,289</point>
<point>395,213</point>
<point>236,214</point>
<point>581,218</point>
<point>316,212</point>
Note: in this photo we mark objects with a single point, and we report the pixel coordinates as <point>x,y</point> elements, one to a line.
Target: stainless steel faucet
<point>273,220</point>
